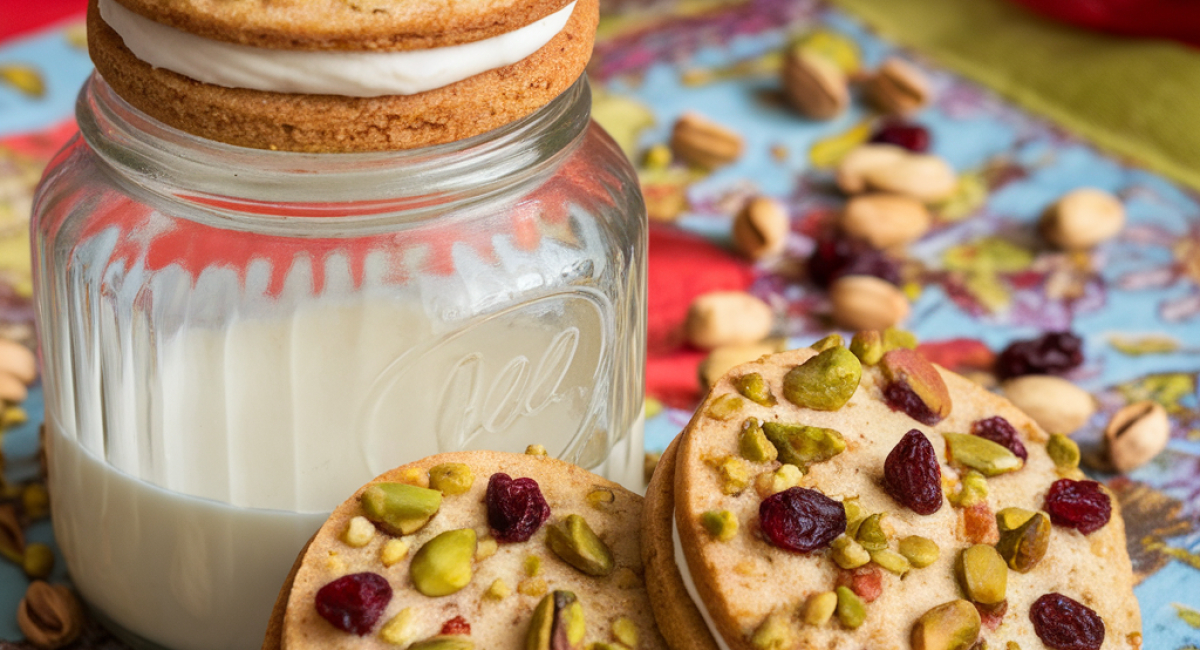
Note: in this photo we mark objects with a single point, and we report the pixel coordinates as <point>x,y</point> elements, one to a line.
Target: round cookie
<point>332,123</point>
<point>758,594</point>
<point>505,586</point>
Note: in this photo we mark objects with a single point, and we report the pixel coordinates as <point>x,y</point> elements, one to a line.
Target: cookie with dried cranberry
<point>862,497</point>
<point>473,550</point>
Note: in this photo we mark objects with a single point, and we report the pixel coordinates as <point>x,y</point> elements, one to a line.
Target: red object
<point>959,354</point>
<point>24,16</point>
<point>1175,19</point>
<point>456,625</point>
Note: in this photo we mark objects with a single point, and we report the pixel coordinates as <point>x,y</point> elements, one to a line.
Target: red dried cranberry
<point>900,397</point>
<point>801,520</point>
<point>456,625</point>
<point>353,603</point>
<point>515,508</point>
<point>912,476</point>
<point>1001,432</point>
<point>835,256</point>
<point>991,616</point>
<point>866,581</point>
<point>1066,624</point>
<point>1052,353</point>
<point>913,137</point>
<point>1081,505</point>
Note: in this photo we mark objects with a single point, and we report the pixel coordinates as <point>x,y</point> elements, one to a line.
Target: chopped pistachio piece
<point>850,609</point>
<point>601,498</point>
<point>38,561</point>
<point>981,454</point>
<point>983,574</point>
<point>774,633</point>
<point>393,551</point>
<point>867,345</point>
<point>625,631</point>
<point>532,587</point>
<point>498,590</point>
<point>532,565</point>
<point>486,548</point>
<point>803,445</point>
<point>1012,518</point>
<point>359,532</point>
<point>784,477</point>
<point>725,407</point>
<point>920,551</point>
<point>451,478</point>
<point>1063,451</point>
<point>536,450</point>
<point>848,553</point>
<point>870,533</point>
<point>973,490</point>
<point>444,564</point>
<point>401,629</point>
<point>894,339</point>
<point>1024,546</point>
<point>891,560</point>
<point>735,475</point>
<point>722,525</point>
<point>753,387</point>
<point>753,444</point>
<point>574,543</point>
<point>832,341</point>
<point>819,608</point>
<point>399,508</point>
<point>824,382</point>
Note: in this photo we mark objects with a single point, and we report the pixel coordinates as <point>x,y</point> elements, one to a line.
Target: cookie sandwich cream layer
<point>443,77</point>
<point>323,72</point>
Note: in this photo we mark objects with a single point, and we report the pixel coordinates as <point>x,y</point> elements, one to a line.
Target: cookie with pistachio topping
<point>862,497</point>
<point>473,550</point>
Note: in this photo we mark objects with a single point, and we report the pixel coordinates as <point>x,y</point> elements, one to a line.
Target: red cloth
<point>1175,19</point>
<point>18,17</point>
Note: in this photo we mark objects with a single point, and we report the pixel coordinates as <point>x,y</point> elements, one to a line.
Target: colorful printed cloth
<point>979,280</point>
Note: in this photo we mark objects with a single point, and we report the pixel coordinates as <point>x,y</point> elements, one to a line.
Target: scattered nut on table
<point>891,169</point>
<point>815,86</point>
<point>727,318</point>
<point>1057,405</point>
<point>863,302</point>
<point>721,360</point>
<point>1082,219</point>
<point>702,142</point>
<point>885,220</point>
<point>760,228</point>
<point>850,170</point>
<point>49,615</point>
<point>1135,434</point>
<point>897,87</point>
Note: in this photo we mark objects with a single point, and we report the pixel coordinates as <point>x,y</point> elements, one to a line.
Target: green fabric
<point>1139,98</point>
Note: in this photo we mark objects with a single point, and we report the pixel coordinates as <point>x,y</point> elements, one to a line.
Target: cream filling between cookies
<point>690,585</point>
<point>349,74</point>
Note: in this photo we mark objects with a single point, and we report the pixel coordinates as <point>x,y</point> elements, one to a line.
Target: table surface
<point>981,277</point>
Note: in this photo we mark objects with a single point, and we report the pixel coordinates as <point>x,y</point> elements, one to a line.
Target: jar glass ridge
<point>234,340</point>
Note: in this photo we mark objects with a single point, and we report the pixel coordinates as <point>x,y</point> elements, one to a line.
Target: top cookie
<point>482,558</point>
<point>822,502</point>
<point>379,25</point>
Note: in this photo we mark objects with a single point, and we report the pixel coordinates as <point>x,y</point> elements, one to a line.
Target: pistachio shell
<point>574,543</point>
<point>825,382</point>
<point>951,626</point>
<point>443,565</point>
<point>981,454</point>
<point>802,445</point>
<point>399,508</point>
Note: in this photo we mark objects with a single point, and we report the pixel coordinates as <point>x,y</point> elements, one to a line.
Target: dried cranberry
<point>1081,505</point>
<point>456,625</point>
<point>835,256</point>
<point>866,581</point>
<point>913,137</point>
<point>900,397</point>
<point>1052,353</point>
<point>353,603</point>
<point>991,616</point>
<point>912,476</point>
<point>801,520</point>
<point>515,507</point>
<point>1066,624</point>
<point>1001,432</point>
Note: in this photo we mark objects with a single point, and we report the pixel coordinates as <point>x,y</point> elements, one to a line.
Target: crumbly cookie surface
<point>498,617</point>
<point>327,123</point>
<point>746,578</point>
<point>384,25</point>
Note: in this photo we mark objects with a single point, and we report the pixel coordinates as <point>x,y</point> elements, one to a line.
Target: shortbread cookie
<point>473,550</point>
<point>824,502</point>
<point>331,119</point>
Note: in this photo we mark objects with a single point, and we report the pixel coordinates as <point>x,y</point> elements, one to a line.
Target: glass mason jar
<point>233,340</point>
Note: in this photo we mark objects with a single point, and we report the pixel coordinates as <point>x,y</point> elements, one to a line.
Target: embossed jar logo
<point>535,373</point>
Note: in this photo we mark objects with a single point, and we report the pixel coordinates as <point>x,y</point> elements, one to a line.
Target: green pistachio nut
<point>574,543</point>
<point>802,445</point>
<point>557,623</point>
<point>854,516</point>
<point>832,341</point>
<point>867,345</point>
<point>444,642</point>
<point>725,407</point>
<point>399,508</point>
<point>1063,451</point>
<point>735,475</point>
<point>973,490</point>
<point>983,574</point>
<point>981,454</point>
<point>451,478</point>
<point>443,565</point>
<point>892,561</point>
<point>625,630</point>
<point>38,561</point>
<point>848,553</point>
<point>894,339</point>
<point>753,387</point>
<point>721,525</point>
<point>920,551</point>
<point>1012,518</point>
<point>1024,546</point>
<point>753,444</point>
<point>825,382</point>
<point>870,533</point>
<point>951,626</point>
<point>820,608</point>
<point>850,608</point>
<point>774,633</point>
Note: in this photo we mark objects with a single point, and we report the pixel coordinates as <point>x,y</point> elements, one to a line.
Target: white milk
<point>183,492</point>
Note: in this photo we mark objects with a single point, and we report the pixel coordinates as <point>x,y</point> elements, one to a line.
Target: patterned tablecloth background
<point>980,279</point>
